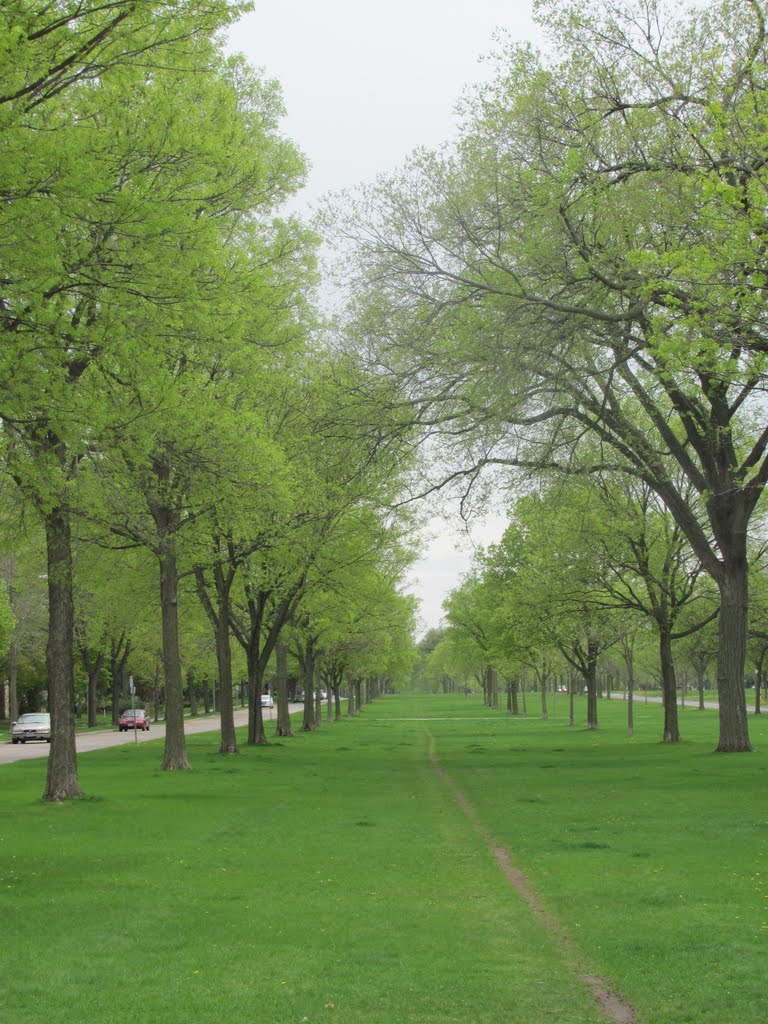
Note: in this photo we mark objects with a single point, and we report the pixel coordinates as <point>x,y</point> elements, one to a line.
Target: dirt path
<point>616,1009</point>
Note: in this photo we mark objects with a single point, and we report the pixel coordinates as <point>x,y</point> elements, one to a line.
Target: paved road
<point>98,739</point>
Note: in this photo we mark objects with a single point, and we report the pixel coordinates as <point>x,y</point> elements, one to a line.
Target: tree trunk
<point>228,743</point>
<point>668,686</point>
<point>284,726</point>
<point>175,754</point>
<point>731,656</point>
<point>219,618</point>
<point>493,687</point>
<point>308,722</point>
<point>118,656</point>
<point>256,735</point>
<point>514,688</point>
<point>13,682</point>
<point>351,701</point>
<point>62,781</point>
<point>318,691</point>
<point>94,671</point>
<point>543,682</point>
<point>759,680</point>
<point>590,678</point>
<point>337,701</point>
<point>191,694</point>
<point>90,699</point>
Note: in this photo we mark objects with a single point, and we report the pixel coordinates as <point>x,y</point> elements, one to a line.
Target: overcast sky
<point>364,85</point>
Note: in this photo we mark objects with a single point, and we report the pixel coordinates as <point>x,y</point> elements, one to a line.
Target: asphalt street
<point>101,738</point>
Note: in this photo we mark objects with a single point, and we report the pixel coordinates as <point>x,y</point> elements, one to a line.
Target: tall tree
<point>47,48</point>
<point>591,259</point>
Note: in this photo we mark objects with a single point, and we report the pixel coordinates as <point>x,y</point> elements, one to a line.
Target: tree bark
<point>590,678</point>
<point>543,684</point>
<point>228,743</point>
<point>175,755</point>
<point>13,682</point>
<point>513,689</point>
<point>284,726</point>
<point>731,656</point>
<point>629,661</point>
<point>337,701</point>
<point>219,617</point>
<point>318,691</point>
<point>308,722</point>
<point>493,687</point>
<point>191,694</point>
<point>759,679</point>
<point>93,671</point>
<point>62,781</point>
<point>256,735</point>
<point>351,701</point>
<point>671,732</point>
<point>119,650</point>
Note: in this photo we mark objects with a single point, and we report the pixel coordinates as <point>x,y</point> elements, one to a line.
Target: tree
<point>47,49</point>
<point>470,627</point>
<point>590,262</point>
<point>137,233</point>
<point>649,568</point>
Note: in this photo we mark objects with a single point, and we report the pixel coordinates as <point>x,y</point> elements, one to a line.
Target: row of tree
<point>590,574</point>
<point>578,285</point>
<point>171,421</point>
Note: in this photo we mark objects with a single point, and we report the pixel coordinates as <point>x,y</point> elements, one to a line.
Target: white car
<point>32,727</point>
<point>266,700</point>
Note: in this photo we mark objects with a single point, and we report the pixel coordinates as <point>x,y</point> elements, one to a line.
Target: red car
<point>136,718</point>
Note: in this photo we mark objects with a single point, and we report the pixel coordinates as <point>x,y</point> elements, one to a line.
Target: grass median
<point>333,877</point>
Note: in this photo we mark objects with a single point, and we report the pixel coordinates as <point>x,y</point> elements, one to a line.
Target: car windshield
<point>133,714</point>
<point>33,720</point>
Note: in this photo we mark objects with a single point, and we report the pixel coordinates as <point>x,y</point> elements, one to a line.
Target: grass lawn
<point>332,877</point>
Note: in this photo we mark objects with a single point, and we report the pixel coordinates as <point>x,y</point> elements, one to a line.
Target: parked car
<point>299,698</point>
<point>266,700</point>
<point>134,718</point>
<point>35,726</point>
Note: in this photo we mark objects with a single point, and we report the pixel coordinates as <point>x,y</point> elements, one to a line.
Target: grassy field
<point>333,877</point>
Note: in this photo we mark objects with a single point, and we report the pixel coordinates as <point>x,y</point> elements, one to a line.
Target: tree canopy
<point>587,262</point>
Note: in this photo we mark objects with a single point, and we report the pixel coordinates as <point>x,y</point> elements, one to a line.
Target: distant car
<point>134,718</point>
<point>266,700</point>
<point>32,727</point>
<point>299,698</point>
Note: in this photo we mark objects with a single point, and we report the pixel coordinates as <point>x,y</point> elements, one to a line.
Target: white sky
<point>364,85</point>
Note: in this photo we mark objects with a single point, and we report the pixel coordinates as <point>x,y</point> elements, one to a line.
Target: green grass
<point>654,857</point>
<point>332,877</point>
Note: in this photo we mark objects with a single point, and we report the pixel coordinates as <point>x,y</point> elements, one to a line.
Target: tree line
<point>174,427</point>
<point>576,288</point>
<point>592,587</point>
